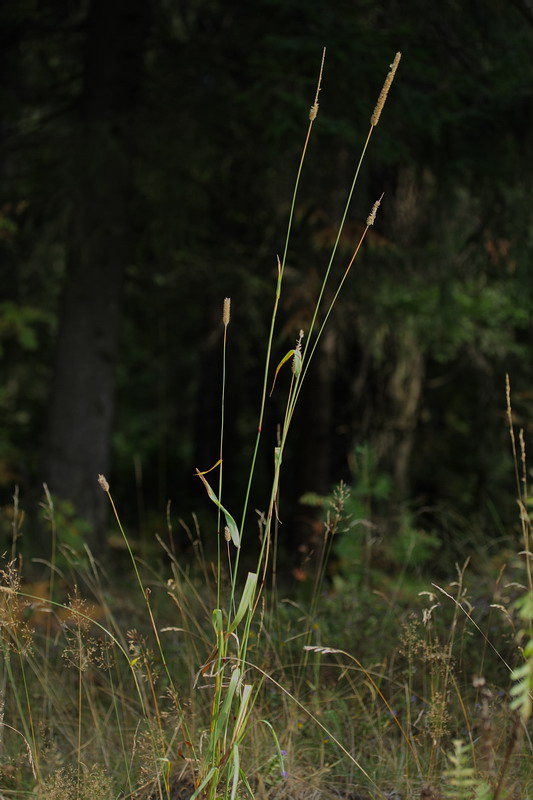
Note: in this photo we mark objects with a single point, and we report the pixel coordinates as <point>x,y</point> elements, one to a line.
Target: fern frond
<point>461,780</point>
<point>522,688</point>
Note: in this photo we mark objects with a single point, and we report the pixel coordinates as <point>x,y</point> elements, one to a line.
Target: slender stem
<point>78,754</point>
<point>326,317</point>
<point>221,455</point>
<point>145,593</point>
<point>337,240</point>
<point>281,270</point>
<point>296,382</point>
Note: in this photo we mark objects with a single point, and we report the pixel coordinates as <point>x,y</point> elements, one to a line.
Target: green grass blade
<point>246,600</point>
<point>223,714</point>
<point>230,522</point>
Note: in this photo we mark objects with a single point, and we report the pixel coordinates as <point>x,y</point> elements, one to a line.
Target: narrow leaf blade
<point>283,361</point>
<point>246,600</point>
<point>230,522</point>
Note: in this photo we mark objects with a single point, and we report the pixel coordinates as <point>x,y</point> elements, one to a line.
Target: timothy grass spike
<point>372,216</point>
<point>102,480</point>
<point>313,111</point>
<point>226,311</point>
<point>385,90</point>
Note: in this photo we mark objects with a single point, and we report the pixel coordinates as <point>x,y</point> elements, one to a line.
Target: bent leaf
<point>230,522</point>
<point>283,361</point>
<point>205,471</point>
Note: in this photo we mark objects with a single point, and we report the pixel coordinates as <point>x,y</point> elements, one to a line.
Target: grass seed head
<point>226,311</point>
<point>384,92</point>
<point>313,111</point>
<point>372,216</point>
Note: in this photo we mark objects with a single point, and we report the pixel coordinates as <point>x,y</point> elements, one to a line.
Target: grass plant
<point>213,686</point>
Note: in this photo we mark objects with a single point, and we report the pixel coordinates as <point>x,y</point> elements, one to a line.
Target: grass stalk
<point>225,322</point>
<point>146,595</point>
<point>298,357</point>
<point>281,269</point>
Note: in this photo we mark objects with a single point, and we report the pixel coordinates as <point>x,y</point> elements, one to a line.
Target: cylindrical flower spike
<point>384,92</point>
<point>226,311</point>
<point>372,216</point>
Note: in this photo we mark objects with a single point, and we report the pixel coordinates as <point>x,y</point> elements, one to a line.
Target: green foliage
<point>369,547</point>
<point>23,327</point>
<point>442,302</point>
<point>70,531</point>
<point>374,693</point>
<point>19,323</point>
<point>446,273</point>
<point>522,676</point>
<point>412,546</point>
<point>461,782</point>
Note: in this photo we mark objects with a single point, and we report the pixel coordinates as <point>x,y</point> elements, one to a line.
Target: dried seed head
<point>226,311</point>
<point>103,483</point>
<point>384,92</point>
<point>508,397</point>
<point>313,111</point>
<point>522,453</point>
<point>372,216</point>
<point>227,534</point>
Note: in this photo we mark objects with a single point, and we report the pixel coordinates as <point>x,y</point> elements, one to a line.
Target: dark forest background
<point>147,161</point>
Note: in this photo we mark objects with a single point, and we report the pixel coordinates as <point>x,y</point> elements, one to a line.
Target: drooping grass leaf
<point>230,522</point>
<point>283,361</point>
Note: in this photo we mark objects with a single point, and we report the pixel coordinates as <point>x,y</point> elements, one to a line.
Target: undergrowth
<point>199,681</point>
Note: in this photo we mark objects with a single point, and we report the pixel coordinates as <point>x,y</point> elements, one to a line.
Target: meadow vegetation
<point>374,674</point>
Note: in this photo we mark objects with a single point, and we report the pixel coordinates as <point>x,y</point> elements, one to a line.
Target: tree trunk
<point>79,426</point>
<point>394,442</point>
